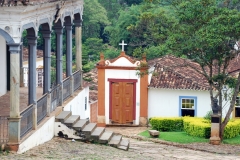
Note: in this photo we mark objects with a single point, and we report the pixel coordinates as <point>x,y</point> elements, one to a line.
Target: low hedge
<point>232,129</point>
<point>194,126</point>
<point>167,124</point>
<point>197,127</point>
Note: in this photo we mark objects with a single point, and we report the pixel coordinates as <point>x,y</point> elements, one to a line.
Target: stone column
<point>21,67</point>
<point>14,120</point>
<point>49,104</point>
<point>34,127</point>
<point>215,129</point>
<point>78,41</point>
<point>59,44</point>
<point>47,61</point>
<point>59,72</point>
<point>68,28</point>
<point>32,55</point>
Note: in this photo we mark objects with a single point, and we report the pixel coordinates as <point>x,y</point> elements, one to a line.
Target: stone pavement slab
<point>62,149</point>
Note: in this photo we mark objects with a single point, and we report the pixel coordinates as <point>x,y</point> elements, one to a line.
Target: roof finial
<point>122,44</point>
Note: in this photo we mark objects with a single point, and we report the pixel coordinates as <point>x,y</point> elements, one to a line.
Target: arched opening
<point>5,39</point>
<point>4,67</point>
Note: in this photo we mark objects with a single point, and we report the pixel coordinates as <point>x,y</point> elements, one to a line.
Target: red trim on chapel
<point>112,80</point>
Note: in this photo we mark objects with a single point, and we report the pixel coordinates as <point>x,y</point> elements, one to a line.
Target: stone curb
<point>137,137</point>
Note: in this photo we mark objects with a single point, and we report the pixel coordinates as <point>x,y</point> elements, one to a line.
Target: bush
<point>194,126</point>
<point>167,124</point>
<point>197,127</point>
<point>208,116</point>
<point>232,129</point>
<point>88,67</point>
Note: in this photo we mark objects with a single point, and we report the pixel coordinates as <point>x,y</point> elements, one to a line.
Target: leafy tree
<point>152,29</point>
<point>112,7</point>
<point>118,31</point>
<point>207,35</point>
<point>92,47</point>
<point>111,53</point>
<point>94,19</point>
<point>130,2</point>
<point>231,4</point>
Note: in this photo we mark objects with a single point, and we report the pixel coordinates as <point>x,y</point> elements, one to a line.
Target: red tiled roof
<point>172,73</point>
<point>234,65</point>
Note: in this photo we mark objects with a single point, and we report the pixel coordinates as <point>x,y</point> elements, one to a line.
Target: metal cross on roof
<point>122,44</point>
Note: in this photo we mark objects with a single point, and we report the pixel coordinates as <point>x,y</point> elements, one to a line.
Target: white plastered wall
<point>3,66</point>
<point>41,135</point>
<point>39,62</point>
<point>121,74</point>
<point>165,102</point>
<point>77,105</point>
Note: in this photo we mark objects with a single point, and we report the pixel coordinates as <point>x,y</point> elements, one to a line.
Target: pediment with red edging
<point>122,60</point>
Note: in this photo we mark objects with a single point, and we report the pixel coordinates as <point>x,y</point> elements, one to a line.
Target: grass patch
<point>235,140</point>
<point>178,137</point>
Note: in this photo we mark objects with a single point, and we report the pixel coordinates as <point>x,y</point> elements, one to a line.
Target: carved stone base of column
<point>14,130</point>
<point>215,141</point>
<point>12,147</point>
<point>215,130</point>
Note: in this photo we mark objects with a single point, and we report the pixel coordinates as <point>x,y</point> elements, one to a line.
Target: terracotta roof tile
<point>172,73</point>
<point>234,65</point>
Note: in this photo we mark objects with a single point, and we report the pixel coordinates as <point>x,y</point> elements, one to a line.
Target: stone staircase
<point>71,126</point>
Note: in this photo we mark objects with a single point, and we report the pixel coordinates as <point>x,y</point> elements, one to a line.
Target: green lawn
<point>235,140</point>
<point>179,137</point>
<point>182,137</point>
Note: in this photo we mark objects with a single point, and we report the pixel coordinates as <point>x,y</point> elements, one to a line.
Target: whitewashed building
<point>178,90</point>
<point>32,123</point>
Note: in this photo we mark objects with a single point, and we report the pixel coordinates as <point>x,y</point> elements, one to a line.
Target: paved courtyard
<point>63,149</point>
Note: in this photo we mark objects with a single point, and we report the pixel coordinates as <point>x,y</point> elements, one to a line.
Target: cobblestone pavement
<point>59,148</point>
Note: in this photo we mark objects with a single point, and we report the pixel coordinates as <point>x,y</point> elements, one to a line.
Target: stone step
<point>97,133</point>
<point>72,120</point>
<point>124,144</point>
<point>79,125</point>
<point>88,129</point>
<point>115,140</point>
<point>105,138</point>
<point>64,115</point>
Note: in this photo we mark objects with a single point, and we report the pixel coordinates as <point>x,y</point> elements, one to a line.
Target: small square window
<point>237,112</point>
<point>188,106</point>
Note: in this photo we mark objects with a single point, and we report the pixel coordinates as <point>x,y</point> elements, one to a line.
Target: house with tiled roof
<point>175,87</point>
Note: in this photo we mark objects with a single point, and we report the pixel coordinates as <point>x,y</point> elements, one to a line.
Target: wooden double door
<point>122,102</point>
